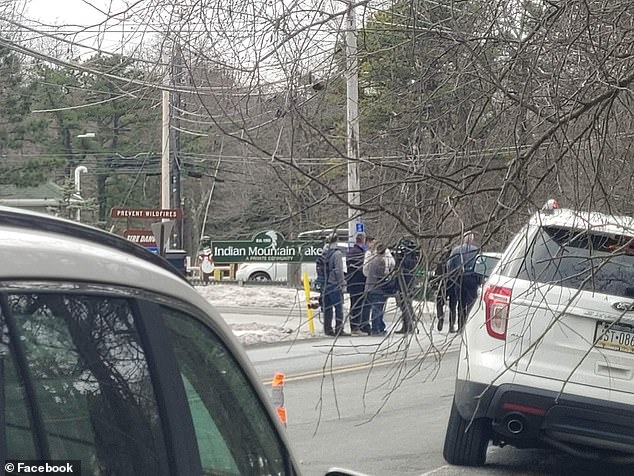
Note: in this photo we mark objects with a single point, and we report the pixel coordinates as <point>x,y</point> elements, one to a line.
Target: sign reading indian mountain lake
<point>268,246</point>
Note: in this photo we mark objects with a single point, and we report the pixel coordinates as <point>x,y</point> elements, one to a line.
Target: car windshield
<point>581,259</point>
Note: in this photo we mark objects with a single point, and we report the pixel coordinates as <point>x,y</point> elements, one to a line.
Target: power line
<point>82,67</point>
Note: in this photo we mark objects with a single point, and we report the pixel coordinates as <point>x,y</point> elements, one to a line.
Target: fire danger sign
<point>140,237</point>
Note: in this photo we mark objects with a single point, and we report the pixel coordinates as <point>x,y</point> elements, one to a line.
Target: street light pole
<point>78,171</point>
<point>81,169</point>
<point>352,116</point>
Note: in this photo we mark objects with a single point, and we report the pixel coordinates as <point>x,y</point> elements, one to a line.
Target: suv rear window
<point>581,259</point>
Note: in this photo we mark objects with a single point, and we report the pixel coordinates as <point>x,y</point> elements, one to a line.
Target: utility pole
<point>177,79</point>
<point>165,147</point>
<point>352,116</point>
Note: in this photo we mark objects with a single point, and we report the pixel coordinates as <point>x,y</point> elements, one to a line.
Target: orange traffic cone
<point>277,396</point>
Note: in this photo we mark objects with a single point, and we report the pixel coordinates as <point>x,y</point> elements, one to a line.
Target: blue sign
<point>360,228</point>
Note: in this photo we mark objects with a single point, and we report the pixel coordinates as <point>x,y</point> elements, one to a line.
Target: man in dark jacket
<point>334,284</point>
<point>442,295</point>
<point>359,311</point>
<point>406,261</point>
<point>464,281</point>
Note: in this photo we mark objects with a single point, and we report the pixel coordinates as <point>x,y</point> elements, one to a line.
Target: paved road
<point>380,407</point>
<point>352,388</point>
<point>387,417</point>
<point>379,415</point>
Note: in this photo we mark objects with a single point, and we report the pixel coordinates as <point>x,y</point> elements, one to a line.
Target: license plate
<point>615,336</point>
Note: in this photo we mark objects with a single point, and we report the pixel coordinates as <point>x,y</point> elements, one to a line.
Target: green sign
<point>265,246</point>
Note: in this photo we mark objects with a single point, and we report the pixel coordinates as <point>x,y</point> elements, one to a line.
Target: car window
<point>484,265</point>
<point>234,431</point>
<point>581,260</point>
<point>77,385</point>
<point>515,253</point>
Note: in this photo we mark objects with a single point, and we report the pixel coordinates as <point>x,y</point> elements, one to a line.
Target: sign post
<point>309,309</point>
<point>162,231</point>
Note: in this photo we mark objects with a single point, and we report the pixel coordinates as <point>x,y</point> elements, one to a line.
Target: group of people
<point>457,282</point>
<point>373,275</point>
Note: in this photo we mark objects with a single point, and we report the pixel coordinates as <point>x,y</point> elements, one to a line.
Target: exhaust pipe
<point>515,423</point>
<point>515,426</point>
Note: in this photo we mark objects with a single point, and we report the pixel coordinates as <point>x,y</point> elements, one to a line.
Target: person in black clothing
<point>406,256</point>
<point>442,293</point>
<point>464,280</point>
<point>355,279</point>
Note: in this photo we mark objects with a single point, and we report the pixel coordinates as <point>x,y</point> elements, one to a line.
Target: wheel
<point>259,276</point>
<point>466,441</point>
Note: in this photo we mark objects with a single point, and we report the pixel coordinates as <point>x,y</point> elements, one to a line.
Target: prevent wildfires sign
<point>147,213</point>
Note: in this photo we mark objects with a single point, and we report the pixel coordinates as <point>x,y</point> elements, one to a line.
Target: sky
<point>235,38</point>
<point>77,12</point>
<point>85,21</point>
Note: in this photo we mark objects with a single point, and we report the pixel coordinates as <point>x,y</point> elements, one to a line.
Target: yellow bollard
<point>311,324</point>
<point>217,274</point>
<point>277,396</point>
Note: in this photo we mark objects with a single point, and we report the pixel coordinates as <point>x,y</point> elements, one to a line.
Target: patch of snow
<point>253,296</point>
<point>284,313</point>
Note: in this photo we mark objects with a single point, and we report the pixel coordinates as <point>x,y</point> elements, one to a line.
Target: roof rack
<point>42,222</point>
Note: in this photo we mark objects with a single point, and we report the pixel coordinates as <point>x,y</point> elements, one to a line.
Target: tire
<point>259,276</point>
<point>466,441</point>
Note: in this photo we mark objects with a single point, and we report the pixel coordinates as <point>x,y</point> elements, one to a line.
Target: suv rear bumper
<point>528,417</point>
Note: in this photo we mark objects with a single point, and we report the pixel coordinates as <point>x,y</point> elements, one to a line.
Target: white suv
<point>547,355</point>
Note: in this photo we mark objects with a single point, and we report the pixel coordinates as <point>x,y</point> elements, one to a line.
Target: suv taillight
<point>497,301</point>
